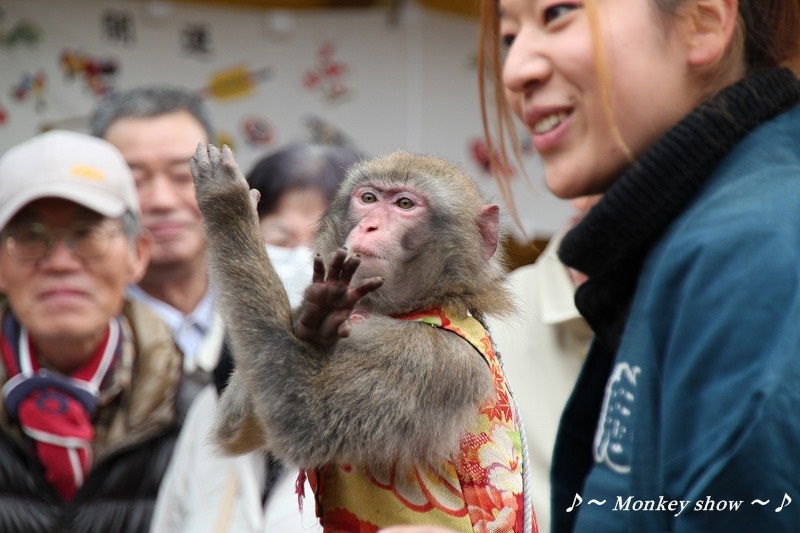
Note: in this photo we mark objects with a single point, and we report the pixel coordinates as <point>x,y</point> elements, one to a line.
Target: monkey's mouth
<point>368,255</point>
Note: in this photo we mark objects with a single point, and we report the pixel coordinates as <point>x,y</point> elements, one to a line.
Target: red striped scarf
<point>55,410</point>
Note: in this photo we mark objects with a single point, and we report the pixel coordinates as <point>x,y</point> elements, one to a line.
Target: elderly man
<point>92,394</point>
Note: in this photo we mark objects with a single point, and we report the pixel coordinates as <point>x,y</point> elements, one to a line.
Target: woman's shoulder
<point>754,193</point>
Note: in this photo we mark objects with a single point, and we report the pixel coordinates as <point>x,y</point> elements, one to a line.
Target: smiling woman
<point>684,115</point>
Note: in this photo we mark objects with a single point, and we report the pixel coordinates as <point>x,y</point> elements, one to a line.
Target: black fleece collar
<point>609,245</point>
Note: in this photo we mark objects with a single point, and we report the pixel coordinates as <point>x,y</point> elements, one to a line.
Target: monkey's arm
<point>238,430</point>
<point>393,390</point>
<point>250,295</point>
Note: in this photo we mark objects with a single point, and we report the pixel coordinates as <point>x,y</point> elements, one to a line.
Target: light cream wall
<point>411,85</point>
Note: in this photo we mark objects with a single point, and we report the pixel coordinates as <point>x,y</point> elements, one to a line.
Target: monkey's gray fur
<point>395,390</point>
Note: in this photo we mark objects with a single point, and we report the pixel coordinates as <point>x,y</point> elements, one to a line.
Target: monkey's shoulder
<point>366,321</point>
<point>434,328</point>
<point>435,317</point>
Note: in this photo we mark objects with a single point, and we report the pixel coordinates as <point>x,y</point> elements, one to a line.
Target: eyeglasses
<point>32,242</point>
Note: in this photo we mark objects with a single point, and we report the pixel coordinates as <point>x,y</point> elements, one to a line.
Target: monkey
<point>382,386</point>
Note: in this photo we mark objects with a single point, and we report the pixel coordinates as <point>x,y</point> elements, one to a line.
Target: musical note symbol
<point>574,505</point>
<point>786,501</point>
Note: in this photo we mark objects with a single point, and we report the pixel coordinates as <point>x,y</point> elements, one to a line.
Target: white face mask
<point>294,266</point>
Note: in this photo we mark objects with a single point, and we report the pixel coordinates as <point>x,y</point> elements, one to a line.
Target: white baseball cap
<point>65,164</point>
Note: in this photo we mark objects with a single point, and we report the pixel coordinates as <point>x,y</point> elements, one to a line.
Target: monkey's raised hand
<point>329,300</point>
<point>216,174</point>
<point>235,239</point>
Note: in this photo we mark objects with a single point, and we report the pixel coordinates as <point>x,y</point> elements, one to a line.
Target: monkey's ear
<point>489,226</point>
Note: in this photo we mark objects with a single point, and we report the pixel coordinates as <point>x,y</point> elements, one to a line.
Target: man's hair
<point>131,226</point>
<point>145,102</point>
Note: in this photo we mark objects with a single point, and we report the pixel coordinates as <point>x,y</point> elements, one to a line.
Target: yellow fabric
<point>480,490</point>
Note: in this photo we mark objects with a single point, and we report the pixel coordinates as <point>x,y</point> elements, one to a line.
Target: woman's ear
<point>709,27</point>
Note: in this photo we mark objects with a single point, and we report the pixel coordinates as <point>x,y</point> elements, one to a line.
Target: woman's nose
<point>526,65</point>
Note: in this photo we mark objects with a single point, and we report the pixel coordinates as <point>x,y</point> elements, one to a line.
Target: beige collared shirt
<point>542,350</point>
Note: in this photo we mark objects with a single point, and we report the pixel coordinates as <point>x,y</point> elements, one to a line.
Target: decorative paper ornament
<point>257,131</point>
<point>23,33</point>
<point>235,82</point>
<point>98,73</point>
<point>328,75</point>
<point>323,132</point>
<point>226,139</point>
<point>31,86</point>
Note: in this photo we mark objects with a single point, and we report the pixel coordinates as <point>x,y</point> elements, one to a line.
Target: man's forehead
<point>52,209</point>
<point>174,164</point>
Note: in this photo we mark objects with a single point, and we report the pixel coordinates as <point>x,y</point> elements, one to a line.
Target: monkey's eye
<point>405,203</point>
<point>368,198</point>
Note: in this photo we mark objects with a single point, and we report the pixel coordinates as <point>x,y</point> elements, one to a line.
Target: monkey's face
<point>419,223</point>
<point>390,225</point>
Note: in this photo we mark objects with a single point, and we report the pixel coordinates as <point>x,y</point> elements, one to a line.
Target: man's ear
<point>140,256</point>
<point>3,284</point>
<point>709,27</point>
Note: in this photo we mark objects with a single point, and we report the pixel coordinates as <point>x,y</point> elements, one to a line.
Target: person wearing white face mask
<point>294,266</point>
<point>202,489</point>
<point>296,185</point>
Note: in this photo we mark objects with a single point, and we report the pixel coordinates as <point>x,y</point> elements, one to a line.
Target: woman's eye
<point>555,11</point>
<point>507,41</point>
<point>368,198</point>
<point>405,203</point>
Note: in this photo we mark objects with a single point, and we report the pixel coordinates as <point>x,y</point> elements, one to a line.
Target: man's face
<point>72,290</point>
<point>158,150</point>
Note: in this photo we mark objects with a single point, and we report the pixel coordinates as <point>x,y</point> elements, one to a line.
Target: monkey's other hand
<point>330,300</point>
<point>217,177</point>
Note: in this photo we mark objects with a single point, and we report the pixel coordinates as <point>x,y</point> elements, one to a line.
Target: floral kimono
<point>479,489</point>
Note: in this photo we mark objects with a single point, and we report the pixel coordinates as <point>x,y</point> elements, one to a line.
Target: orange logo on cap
<point>87,172</point>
